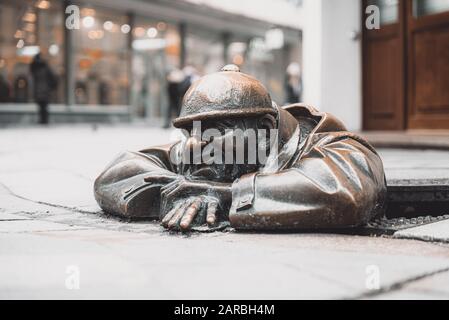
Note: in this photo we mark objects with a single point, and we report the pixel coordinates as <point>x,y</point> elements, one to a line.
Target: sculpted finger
<point>211,216</point>
<point>178,215</point>
<point>190,214</point>
<point>175,187</point>
<point>170,214</point>
<point>169,187</point>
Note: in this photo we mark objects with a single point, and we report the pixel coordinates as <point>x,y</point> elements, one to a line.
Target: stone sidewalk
<point>55,242</point>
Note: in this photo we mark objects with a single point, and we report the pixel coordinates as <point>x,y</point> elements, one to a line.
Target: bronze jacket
<point>323,177</point>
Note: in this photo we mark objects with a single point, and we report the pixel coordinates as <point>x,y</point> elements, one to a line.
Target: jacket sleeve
<point>121,190</point>
<point>337,182</point>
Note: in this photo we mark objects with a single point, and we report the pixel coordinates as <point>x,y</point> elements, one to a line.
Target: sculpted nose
<point>194,147</point>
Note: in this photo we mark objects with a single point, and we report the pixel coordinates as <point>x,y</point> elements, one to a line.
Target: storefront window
<point>269,65</point>
<point>28,28</point>
<point>389,10</point>
<point>426,7</point>
<point>156,54</point>
<point>204,50</point>
<point>101,58</point>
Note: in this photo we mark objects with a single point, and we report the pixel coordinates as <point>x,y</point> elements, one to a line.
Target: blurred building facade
<point>122,62</point>
<point>116,66</point>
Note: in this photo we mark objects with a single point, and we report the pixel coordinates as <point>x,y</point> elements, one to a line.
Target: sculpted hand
<point>194,211</point>
<point>193,203</point>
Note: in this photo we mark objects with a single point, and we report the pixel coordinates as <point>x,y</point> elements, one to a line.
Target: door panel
<point>431,56</point>
<point>383,81</point>
<point>383,74</point>
<point>428,64</point>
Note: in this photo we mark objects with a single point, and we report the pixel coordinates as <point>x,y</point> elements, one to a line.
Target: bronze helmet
<point>224,94</point>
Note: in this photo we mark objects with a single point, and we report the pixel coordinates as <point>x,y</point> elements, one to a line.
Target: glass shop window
<point>205,50</point>
<point>28,28</point>
<point>269,64</point>
<point>101,57</point>
<point>389,10</point>
<point>427,7</point>
<point>155,56</point>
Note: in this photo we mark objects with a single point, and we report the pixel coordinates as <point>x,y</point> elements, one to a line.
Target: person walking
<point>4,89</point>
<point>45,82</point>
<point>293,83</point>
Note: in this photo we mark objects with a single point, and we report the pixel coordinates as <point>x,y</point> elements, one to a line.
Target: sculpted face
<point>223,150</point>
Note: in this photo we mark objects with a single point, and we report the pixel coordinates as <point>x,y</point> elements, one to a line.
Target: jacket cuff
<point>243,193</point>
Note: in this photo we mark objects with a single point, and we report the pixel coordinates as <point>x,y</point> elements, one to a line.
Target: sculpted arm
<point>339,182</point>
<point>122,188</point>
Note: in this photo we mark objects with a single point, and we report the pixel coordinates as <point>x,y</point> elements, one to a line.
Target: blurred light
<point>91,34</point>
<point>115,28</point>
<point>29,27</point>
<point>29,51</point>
<point>108,25</point>
<point>274,38</point>
<point>43,4</point>
<point>88,22</point>
<point>95,34</point>
<point>237,47</point>
<point>149,44</point>
<point>2,63</point>
<point>29,17</point>
<point>139,32</point>
<point>53,50</point>
<point>237,59</point>
<point>294,69</point>
<point>21,83</point>
<point>152,32</point>
<point>125,28</point>
<point>88,12</point>
<point>161,26</point>
<point>20,44</point>
<point>19,34</point>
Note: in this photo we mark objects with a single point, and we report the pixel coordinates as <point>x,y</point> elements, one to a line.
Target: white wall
<point>332,59</point>
<point>312,49</point>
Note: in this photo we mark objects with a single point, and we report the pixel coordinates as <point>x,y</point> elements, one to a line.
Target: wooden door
<point>383,68</point>
<point>428,64</point>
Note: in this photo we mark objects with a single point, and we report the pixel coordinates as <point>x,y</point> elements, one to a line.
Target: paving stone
<point>431,285</point>
<point>32,226</point>
<point>13,204</point>
<point>438,231</point>
<point>9,216</point>
<point>423,289</point>
<point>419,166</point>
<point>126,265</point>
<point>411,295</point>
<point>46,187</point>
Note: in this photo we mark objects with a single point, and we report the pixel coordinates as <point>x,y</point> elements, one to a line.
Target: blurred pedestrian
<point>293,83</point>
<point>45,82</point>
<point>174,80</point>
<point>4,89</point>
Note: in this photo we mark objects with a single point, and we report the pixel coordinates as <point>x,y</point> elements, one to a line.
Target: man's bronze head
<point>220,107</point>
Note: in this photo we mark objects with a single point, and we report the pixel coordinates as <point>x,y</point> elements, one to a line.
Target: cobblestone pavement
<point>56,243</point>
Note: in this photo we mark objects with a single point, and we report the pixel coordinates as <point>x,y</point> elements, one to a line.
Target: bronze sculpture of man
<point>315,174</point>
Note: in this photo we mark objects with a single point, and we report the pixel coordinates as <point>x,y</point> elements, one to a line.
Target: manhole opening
<point>410,206</point>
